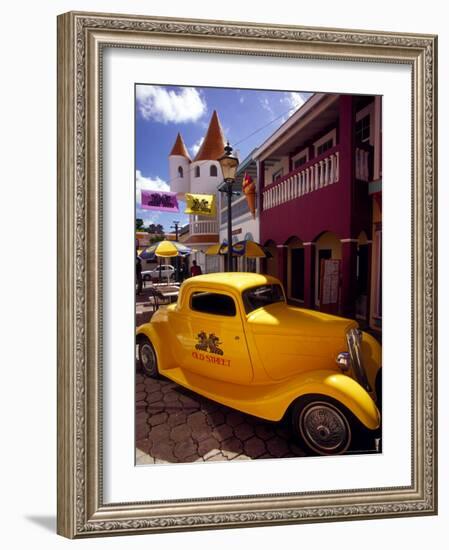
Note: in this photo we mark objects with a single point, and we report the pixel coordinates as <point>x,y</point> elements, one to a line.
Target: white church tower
<point>201,175</point>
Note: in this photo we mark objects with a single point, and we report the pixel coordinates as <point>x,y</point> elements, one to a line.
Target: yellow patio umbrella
<point>215,249</point>
<point>167,249</point>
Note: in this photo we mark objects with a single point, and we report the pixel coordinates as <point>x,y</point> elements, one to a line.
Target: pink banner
<point>159,200</point>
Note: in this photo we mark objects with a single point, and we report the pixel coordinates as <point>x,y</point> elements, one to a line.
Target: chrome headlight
<point>354,340</point>
<point>343,361</point>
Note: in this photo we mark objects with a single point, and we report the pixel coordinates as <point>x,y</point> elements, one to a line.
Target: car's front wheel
<point>148,358</point>
<point>322,425</point>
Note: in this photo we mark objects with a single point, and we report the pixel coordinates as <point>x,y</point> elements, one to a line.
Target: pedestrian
<point>182,271</point>
<point>139,280</point>
<point>195,269</point>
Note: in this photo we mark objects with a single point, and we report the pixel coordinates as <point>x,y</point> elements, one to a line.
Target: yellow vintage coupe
<point>232,338</point>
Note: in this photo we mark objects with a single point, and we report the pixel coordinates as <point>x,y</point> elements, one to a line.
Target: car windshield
<point>261,296</point>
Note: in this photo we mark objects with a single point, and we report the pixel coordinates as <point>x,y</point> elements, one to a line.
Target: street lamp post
<point>175,226</point>
<point>229,164</point>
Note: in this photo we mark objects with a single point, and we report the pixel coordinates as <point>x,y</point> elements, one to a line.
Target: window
<point>215,304</point>
<point>262,296</point>
<point>197,171</point>
<point>299,162</point>
<point>362,129</point>
<point>327,141</point>
<point>180,172</point>
<point>277,175</point>
<point>213,171</point>
<point>324,147</point>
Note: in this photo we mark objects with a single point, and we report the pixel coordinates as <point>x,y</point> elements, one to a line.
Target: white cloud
<point>162,105</point>
<point>294,100</point>
<point>196,146</point>
<point>153,184</point>
<point>266,105</point>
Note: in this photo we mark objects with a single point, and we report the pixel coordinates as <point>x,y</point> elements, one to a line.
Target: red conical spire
<point>213,145</point>
<point>179,148</point>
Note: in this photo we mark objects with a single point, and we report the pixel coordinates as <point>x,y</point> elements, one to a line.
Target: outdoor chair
<point>158,299</point>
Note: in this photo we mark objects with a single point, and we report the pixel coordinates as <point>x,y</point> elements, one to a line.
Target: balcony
<point>316,174</point>
<point>203,227</point>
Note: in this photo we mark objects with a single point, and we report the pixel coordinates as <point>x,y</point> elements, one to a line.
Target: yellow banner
<point>203,205</point>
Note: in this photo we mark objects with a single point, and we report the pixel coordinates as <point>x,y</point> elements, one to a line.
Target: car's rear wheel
<point>148,358</point>
<point>322,425</point>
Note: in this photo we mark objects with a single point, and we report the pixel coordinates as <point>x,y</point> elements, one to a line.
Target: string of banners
<point>164,201</point>
<point>203,205</point>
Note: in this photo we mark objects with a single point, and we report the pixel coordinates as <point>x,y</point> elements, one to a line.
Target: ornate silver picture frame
<point>82,41</point>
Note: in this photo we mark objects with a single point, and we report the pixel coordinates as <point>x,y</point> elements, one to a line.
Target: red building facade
<point>314,182</point>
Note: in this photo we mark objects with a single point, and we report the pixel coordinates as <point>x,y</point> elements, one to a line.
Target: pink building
<point>318,174</point>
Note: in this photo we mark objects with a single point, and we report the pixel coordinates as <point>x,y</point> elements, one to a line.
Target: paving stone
<point>207,445</point>
<point>144,459</point>
<point>157,419</point>
<point>152,386</point>
<point>211,453</point>
<point>177,418</point>
<point>217,458</point>
<point>244,431</point>
<point>143,446</point>
<point>215,418</point>
<point>296,450</point>
<point>188,402</point>
<point>184,449</point>
<point>142,431</point>
<point>277,447</point>
<point>232,444</point>
<point>163,450</point>
<point>264,431</point>
<point>140,396</point>
<point>159,433</point>
<point>229,455</point>
<point>222,432</point>
<point>154,397</point>
<point>201,432</point>
<point>154,408</point>
<point>167,387</point>
<point>141,406</point>
<point>254,447</point>
<point>192,458</point>
<point>197,419</point>
<point>140,386</point>
<point>141,417</point>
<point>210,406</point>
<point>170,397</point>
<point>180,433</point>
<point>234,418</point>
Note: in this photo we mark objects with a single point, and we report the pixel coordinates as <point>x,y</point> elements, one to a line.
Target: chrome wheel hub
<point>148,358</point>
<point>325,428</point>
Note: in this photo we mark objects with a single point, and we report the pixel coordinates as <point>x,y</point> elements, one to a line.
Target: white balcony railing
<point>203,227</point>
<point>307,179</point>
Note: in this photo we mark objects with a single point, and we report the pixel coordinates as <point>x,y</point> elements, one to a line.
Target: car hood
<point>283,319</point>
<point>289,340</point>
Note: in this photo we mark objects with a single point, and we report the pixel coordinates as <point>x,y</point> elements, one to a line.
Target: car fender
<point>148,330</point>
<point>329,383</point>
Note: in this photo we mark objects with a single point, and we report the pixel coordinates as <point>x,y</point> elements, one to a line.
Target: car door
<point>212,337</point>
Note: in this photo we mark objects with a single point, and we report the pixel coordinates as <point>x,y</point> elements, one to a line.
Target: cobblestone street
<point>176,425</point>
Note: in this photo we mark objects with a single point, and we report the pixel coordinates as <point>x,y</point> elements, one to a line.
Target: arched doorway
<point>295,269</point>
<point>327,247</point>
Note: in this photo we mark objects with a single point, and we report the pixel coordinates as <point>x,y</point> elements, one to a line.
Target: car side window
<point>213,303</point>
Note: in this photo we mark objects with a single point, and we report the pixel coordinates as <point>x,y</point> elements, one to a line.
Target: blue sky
<point>247,117</point>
